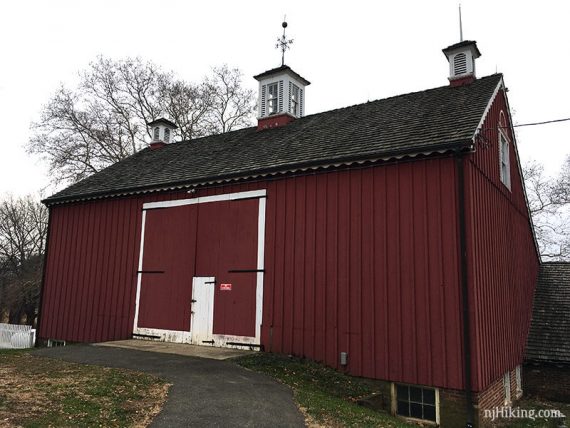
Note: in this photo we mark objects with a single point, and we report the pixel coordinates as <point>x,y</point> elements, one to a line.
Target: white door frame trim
<point>204,199</point>
<point>260,269</point>
<point>139,277</point>
<point>183,336</point>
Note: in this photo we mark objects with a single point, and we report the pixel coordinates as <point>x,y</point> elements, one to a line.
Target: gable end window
<point>156,134</point>
<point>504,163</point>
<point>415,402</point>
<point>167,135</point>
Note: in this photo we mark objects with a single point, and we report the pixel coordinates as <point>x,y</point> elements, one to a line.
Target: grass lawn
<point>40,392</point>
<point>327,397</point>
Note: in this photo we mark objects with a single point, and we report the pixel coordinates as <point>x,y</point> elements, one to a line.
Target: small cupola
<point>461,57</point>
<point>161,131</point>
<point>281,96</point>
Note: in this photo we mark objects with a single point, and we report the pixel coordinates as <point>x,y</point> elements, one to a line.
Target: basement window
<point>415,402</point>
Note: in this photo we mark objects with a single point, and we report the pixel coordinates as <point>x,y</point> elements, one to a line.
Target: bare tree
<point>562,184</point>
<point>232,104</point>
<point>188,106</point>
<point>549,203</point>
<point>23,230</point>
<point>83,130</point>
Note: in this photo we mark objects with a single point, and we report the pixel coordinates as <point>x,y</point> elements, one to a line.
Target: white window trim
<point>268,98</point>
<point>506,180</point>
<point>394,404</point>
<point>295,100</point>
<point>518,378</point>
<point>507,388</point>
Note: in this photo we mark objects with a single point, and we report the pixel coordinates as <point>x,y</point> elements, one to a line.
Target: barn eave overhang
<point>462,145</point>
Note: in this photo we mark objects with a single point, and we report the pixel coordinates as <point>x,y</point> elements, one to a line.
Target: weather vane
<point>283,43</point>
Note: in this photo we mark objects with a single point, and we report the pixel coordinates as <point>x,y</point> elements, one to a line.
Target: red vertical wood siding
<point>502,256</point>
<point>170,260</point>
<point>227,240</point>
<point>362,261</point>
<point>90,272</point>
<point>365,262</point>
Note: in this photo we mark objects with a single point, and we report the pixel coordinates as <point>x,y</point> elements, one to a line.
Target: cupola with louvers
<point>461,57</point>
<point>281,97</point>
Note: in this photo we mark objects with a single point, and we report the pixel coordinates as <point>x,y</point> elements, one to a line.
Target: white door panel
<point>202,319</point>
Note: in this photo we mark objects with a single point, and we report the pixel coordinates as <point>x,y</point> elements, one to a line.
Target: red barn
<point>389,239</point>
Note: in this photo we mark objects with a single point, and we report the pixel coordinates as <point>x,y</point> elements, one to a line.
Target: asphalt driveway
<point>205,392</point>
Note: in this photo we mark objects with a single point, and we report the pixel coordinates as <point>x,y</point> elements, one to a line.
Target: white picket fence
<point>14,336</point>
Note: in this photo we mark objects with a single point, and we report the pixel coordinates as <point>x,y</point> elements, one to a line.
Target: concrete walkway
<point>178,349</point>
<point>205,392</point>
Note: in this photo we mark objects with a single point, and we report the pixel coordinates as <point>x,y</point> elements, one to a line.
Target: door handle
<point>193,301</point>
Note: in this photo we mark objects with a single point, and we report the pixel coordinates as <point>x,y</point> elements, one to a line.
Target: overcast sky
<point>351,51</point>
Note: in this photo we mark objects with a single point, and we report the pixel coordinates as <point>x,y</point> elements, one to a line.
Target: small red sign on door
<point>225,287</point>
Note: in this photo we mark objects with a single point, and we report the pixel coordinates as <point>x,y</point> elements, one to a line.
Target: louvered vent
<point>289,97</point>
<point>280,96</point>
<point>263,100</point>
<point>459,64</point>
<point>301,103</point>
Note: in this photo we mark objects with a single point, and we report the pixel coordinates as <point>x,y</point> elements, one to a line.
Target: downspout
<point>43,279</point>
<point>464,288</point>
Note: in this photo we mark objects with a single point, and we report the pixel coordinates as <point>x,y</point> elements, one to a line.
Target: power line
<point>542,123</point>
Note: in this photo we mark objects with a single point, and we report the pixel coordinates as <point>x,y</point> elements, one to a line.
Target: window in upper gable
<point>504,153</point>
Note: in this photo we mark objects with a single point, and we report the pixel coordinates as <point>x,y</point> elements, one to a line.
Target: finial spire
<point>283,43</point>
<point>460,25</point>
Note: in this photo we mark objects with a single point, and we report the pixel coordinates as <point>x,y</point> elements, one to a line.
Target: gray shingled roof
<point>549,336</point>
<point>430,121</point>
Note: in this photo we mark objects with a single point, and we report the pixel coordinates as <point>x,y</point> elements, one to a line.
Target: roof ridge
<point>350,106</point>
<point>402,95</point>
